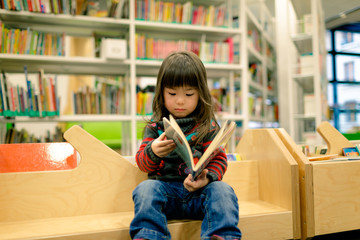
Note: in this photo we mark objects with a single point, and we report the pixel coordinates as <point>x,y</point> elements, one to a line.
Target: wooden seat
<point>330,190</point>
<point>93,201</point>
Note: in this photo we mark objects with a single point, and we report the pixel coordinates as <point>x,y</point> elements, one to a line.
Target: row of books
<point>107,97</point>
<point>186,13</point>
<point>96,8</point>
<point>27,41</point>
<point>34,100</point>
<point>14,135</point>
<point>209,52</point>
<point>41,6</point>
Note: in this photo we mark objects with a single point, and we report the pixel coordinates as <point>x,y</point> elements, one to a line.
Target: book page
<point>174,132</point>
<point>221,138</point>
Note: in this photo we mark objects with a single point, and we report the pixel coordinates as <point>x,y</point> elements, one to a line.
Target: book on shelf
<point>119,9</point>
<point>309,104</point>
<point>256,73</point>
<point>97,8</point>
<point>174,132</point>
<point>351,151</point>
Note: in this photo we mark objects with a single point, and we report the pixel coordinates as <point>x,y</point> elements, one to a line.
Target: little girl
<point>170,193</point>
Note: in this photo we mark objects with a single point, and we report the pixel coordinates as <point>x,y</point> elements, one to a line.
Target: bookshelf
<point>303,57</point>
<point>232,70</point>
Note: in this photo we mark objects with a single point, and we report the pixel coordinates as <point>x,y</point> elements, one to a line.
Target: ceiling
<point>341,12</point>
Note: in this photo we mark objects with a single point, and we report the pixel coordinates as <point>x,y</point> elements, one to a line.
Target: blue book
<point>28,84</point>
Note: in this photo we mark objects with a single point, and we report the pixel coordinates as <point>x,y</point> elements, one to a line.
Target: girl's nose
<point>180,100</point>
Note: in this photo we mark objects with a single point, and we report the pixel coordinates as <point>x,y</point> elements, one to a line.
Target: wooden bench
<point>94,200</point>
<point>329,191</point>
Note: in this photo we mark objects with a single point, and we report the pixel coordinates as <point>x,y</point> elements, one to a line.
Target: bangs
<point>177,76</point>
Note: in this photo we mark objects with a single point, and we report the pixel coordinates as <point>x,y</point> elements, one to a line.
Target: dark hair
<point>179,69</point>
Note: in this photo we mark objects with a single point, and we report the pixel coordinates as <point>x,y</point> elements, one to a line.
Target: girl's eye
<point>172,94</point>
<point>189,94</point>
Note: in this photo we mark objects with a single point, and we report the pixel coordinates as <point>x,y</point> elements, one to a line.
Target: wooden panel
<point>274,163</point>
<point>306,184</point>
<point>334,139</point>
<point>67,226</point>
<point>336,196</point>
<point>113,226</point>
<point>258,207</point>
<point>278,171</point>
<point>274,226</point>
<point>243,177</point>
<point>102,183</point>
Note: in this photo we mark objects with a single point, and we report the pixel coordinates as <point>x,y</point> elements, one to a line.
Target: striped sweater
<point>171,167</point>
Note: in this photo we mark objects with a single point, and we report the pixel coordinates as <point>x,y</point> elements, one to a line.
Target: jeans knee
<point>147,189</point>
<point>222,192</point>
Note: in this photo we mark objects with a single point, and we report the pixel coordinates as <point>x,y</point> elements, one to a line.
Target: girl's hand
<point>200,182</point>
<point>162,146</point>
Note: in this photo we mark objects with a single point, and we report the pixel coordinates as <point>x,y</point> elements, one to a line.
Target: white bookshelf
<point>236,74</point>
<point>303,57</point>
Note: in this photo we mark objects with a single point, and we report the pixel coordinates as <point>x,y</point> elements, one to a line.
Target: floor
<point>351,235</point>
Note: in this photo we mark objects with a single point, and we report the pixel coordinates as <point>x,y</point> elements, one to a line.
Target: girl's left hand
<point>200,182</point>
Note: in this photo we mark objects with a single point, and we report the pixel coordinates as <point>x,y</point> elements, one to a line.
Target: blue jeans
<point>157,201</point>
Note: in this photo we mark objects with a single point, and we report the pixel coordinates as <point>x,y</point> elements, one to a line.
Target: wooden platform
<point>93,201</point>
<point>329,191</point>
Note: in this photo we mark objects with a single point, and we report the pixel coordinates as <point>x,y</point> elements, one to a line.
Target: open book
<point>174,132</point>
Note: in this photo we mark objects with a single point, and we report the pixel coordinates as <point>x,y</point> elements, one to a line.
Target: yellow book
<point>15,43</point>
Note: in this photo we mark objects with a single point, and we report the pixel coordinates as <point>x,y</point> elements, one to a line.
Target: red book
<point>231,49</point>
<point>53,94</point>
<point>30,7</point>
<point>13,108</point>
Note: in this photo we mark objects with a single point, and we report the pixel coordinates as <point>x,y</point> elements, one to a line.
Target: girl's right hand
<point>162,146</point>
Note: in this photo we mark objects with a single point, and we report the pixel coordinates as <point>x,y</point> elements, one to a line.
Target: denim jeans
<point>157,201</point>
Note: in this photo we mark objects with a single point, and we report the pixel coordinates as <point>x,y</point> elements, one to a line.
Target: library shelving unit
<point>303,57</point>
<point>231,72</point>
<point>261,64</point>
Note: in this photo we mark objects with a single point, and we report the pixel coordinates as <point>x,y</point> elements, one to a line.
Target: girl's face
<point>181,101</point>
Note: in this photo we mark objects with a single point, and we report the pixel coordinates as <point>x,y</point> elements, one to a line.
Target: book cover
<point>174,132</point>
<point>350,151</point>
<point>97,8</point>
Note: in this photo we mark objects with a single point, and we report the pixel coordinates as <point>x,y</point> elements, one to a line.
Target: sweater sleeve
<point>218,164</point>
<point>146,159</point>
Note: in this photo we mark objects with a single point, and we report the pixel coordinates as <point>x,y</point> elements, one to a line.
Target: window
<point>349,71</point>
<point>347,37</point>
<point>343,72</point>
